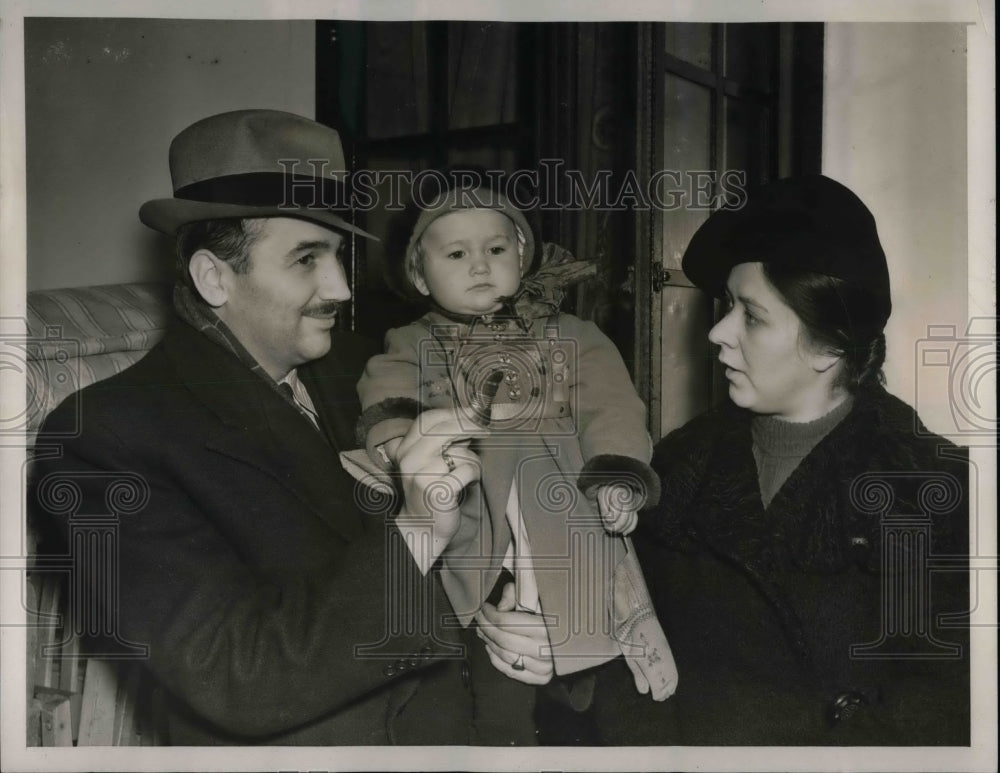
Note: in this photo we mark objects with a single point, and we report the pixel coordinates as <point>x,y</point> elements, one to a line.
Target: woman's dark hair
<point>229,239</point>
<point>839,316</point>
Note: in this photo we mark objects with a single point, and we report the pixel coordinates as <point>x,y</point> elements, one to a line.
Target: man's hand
<point>516,642</point>
<point>618,505</point>
<point>435,464</point>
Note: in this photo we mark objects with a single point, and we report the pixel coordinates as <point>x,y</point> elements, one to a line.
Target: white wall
<point>894,131</point>
<point>104,97</point>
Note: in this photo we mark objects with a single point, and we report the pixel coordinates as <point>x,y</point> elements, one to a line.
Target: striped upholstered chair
<point>77,336</point>
<point>80,335</point>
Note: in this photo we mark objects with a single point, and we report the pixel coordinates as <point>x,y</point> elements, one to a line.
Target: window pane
<point>750,54</point>
<point>482,82</point>
<point>687,164</point>
<point>382,212</point>
<point>379,308</point>
<point>687,356</point>
<point>749,141</point>
<point>397,84</point>
<point>486,158</point>
<point>690,42</point>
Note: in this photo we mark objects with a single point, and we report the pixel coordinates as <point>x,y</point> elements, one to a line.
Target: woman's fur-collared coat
<point>837,615</point>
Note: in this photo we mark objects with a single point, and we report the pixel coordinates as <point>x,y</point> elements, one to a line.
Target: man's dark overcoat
<point>246,560</point>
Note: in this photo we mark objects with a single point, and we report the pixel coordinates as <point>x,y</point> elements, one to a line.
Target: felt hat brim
<point>167,215</point>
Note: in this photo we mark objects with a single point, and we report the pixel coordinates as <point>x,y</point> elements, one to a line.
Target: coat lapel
<point>733,523</point>
<point>332,383</point>
<point>810,506</point>
<point>258,428</point>
<point>804,524</point>
<point>805,519</point>
<point>731,512</point>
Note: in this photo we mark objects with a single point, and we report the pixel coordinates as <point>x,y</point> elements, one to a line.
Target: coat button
<point>466,673</point>
<point>860,550</point>
<point>389,670</point>
<point>845,705</point>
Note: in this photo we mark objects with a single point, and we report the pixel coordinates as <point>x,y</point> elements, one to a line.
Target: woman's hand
<point>435,464</point>
<point>516,642</point>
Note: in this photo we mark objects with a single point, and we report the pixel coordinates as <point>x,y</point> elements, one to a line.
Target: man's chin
<point>316,348</point>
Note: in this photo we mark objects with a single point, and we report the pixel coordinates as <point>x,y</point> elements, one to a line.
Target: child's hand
<point>618,505</point>
<point>391,447</point>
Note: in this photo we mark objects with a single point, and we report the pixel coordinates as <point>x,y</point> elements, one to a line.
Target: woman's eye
<point>750,319</point>
<point>306,260</point>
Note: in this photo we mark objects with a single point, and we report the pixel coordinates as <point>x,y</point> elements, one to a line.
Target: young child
<point>566,465</point>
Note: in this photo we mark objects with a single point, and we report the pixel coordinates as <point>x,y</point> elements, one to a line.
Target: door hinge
<point>660,277</point>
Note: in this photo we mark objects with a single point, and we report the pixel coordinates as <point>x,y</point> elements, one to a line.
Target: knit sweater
<point>779,446</point>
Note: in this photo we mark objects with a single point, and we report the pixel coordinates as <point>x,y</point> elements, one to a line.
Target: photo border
<point>982,287</point>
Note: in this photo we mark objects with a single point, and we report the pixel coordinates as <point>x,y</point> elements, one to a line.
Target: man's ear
<point>208,274</point>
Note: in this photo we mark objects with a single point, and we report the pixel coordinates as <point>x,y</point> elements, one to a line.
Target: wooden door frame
<point>649,107</point>
<point>798,151</point>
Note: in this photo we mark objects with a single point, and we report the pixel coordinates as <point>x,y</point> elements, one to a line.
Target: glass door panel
<point>685,357</point>
<point>686,162</point>
<point>397,63</point>
<point>690,42</point>
<point>718,85</point>
<point>482,82</point>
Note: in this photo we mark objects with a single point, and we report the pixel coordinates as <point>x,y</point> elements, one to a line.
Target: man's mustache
<point>323,310</point>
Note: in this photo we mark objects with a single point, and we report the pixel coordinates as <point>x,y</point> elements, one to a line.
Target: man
<point>275,609</point>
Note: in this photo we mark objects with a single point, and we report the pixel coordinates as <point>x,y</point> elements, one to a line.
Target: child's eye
<point>456,254</point>
<point>498,249</point>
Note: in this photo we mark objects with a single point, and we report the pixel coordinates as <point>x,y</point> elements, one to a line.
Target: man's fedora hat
<point>254,163</point>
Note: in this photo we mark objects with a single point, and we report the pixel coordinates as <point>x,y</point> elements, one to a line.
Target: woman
<point>790,581</point>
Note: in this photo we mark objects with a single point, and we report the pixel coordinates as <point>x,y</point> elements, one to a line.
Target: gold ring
<point>518,665</point>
